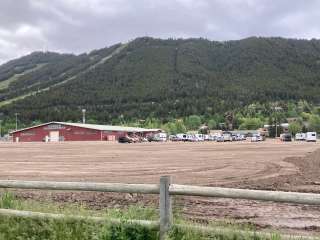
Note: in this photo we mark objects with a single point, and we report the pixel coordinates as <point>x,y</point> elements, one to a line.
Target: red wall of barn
<point>66,133</point>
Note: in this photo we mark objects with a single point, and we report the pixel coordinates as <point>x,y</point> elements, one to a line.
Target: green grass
<point>18,228</point>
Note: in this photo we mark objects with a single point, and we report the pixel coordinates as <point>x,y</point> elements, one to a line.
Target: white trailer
<point>199,137</point>
<point>181,137</point>
<point>227,137</point>
<point>160,137</point>
<point>311,136</point>
<point>300,137</point>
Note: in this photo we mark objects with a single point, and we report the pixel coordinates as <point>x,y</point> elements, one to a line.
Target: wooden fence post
<point>165,206</point>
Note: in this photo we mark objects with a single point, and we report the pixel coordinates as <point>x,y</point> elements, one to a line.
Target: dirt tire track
<point>307,178</point>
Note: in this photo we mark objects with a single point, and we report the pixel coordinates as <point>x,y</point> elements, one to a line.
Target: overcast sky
<point>78,26</point>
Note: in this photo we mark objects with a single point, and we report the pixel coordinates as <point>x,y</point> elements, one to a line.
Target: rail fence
<point>165,189</point>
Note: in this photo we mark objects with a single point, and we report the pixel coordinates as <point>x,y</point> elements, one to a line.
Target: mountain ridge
<point>169,78</point>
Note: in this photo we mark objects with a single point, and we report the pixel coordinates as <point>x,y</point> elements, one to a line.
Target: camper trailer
<point>159,137</point>
<point>199,137</point>
<point>181,137</point>
<point>300,137</point>
<point>311,136</point>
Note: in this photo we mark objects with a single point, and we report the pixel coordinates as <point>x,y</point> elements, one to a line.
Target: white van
<point>311,136</point>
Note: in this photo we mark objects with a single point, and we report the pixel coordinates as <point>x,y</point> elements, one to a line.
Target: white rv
<point>199,137</point>
<point>311,136</point>
<point>181,137</point>
<point>163,136</point>
<point>160,137</point>
<point>190,138</point>
<point>300,137</point>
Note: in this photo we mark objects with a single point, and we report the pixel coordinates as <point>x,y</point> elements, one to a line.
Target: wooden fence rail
<point>82,186</point>
<point>165,190</point>
<point>275,196</point>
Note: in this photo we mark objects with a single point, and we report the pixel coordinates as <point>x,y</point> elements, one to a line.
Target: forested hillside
<point>162,79</point>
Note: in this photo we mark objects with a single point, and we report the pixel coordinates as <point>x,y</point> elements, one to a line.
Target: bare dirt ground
<point>269,165</point>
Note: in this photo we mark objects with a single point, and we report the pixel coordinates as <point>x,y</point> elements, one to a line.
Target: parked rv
<point>159,137</point>
<point>199,137</point>
<point>300,137</point>
<point>181,137</point>
<point>191,138</point>
<point>311,136</point>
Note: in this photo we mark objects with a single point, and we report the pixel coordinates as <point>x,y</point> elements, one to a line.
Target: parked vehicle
<point>206,137</point>
<point>255,138</point>
<point>182,137</point>
<point>125,139</point>
<point>212,137</point>
<point>199,137</point>
<point>300,137</point>
<point>243,137</point>
<point>159,137</point>
<point>173,138</point>
<point>190,138</point>
<point>220,139</point>
<point>311,136</point>
<point>227,137</point>
<point>262,137</point>
<point>286,137</point>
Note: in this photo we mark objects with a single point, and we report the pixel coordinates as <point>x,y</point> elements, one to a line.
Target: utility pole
<point>83,116</point>
<point>1,114</point>
<point>276,127</point>
<point>16,120</point>
<point>276,110</point>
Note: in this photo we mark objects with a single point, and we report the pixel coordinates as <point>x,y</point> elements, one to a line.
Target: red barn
<point>63,131</point>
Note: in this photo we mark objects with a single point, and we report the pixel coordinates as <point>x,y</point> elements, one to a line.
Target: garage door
<point>54,136</point>
<point>111,138</point>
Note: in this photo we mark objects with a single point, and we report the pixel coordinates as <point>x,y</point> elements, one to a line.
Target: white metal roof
<point>96,127</point>
<point>109,127</point>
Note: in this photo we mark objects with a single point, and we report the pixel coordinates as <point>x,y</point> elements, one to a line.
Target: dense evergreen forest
<point>154,80</point>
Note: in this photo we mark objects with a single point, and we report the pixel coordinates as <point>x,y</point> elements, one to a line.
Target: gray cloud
<point>82,25</point>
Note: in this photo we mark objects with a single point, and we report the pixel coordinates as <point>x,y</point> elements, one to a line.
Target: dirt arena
<point>272,165</point>
<point>203,163</point>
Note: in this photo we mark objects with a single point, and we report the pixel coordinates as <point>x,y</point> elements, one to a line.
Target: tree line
<point>302,116</point>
